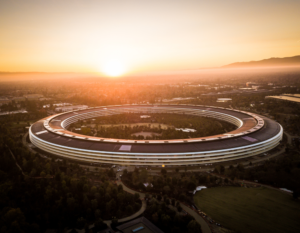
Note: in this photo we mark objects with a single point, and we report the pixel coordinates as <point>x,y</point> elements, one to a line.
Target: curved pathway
<point>136,214</point>
<point>204,225</point>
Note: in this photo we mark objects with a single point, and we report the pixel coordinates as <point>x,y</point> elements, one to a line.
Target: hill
<point>274,61</point>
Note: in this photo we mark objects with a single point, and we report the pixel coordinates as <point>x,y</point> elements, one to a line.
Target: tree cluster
<point>282,172</point>
<point>169,221</point>
<point>53,194</point>
<point>204,126</point>
<point>173,184</point>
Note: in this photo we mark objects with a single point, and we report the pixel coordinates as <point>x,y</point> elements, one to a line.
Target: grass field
<point>250,209</point>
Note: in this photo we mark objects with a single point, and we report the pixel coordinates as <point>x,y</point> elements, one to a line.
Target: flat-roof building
<point>19,99</point>
<point>4,100</point>
<point>223,100</point>
<point>254,135</point>
<point>33,96</point>
<point>287,97</point>
<point>139,225</point>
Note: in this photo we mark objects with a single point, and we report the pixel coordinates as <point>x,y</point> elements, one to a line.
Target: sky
<point>115,37</point>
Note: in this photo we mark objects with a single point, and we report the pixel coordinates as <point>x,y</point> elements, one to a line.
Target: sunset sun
<point>113,68</point>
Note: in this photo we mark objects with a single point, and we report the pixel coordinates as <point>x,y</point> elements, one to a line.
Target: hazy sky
<point>144,35</point>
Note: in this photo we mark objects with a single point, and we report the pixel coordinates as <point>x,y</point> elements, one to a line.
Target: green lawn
<point>250,209</point>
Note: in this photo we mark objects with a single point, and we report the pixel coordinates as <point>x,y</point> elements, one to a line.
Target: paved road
<point>12,155</point>
<point>204,225</point>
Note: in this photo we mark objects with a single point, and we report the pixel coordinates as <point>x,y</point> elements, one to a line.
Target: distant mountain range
<point>274,61</point>
<point>271,62</point>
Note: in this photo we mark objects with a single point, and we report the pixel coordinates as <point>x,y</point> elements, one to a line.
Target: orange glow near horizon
<point>113,68</point>
<point>145,36</point>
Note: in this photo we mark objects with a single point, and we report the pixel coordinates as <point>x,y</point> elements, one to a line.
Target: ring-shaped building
<point>254,135</point>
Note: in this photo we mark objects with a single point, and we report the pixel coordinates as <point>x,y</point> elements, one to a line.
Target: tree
<point>100,225</point>
<point>86,228</point>
<point>216,170</point>
<point>136,197</point>
<point>222,169</point>
<point>120,198</point>
<point>111,173</point>
<point>179,208</point>
<point>295,194</point>
<point>81,222</point>
<point>125,172</point>
<point>174,181</point>
<point>111,207</point>
<point>14,215</point>
<point>240,167</point>
<point>163,171</point>
<point>86,131</point>
<point>173,202</point>
<point>43,174</point>
<point>143,175</point>
<point>159,197</point>
<point>182,197</point>
<point>71,202</point>
<point>129,209</point>
<point>194,227</point>
<point>166,189</point>
<point>155,217</point>
<point>167,200</point>
<point>165,220</point>
<point>120,188</point>
<point>94,204</point>
<point>97,214</point>
<point>33,172</point>
<point>114,221</point>
<point>119,213</point>
<point>191,185</point>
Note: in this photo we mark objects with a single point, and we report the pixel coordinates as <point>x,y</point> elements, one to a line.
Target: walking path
<point>204,225</point>
<point>12,155</point>
<point>135,215</point>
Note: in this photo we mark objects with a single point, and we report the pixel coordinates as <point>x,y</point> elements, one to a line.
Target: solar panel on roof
<point>250,139</point>
<point>45,131</point>
<point>125,148</point>
<point>137,229</point>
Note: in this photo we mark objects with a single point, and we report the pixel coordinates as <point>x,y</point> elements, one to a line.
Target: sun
<point>113,68</point>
